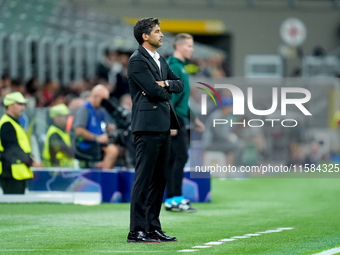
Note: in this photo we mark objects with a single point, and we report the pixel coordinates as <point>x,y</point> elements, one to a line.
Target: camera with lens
<point>122,135</point>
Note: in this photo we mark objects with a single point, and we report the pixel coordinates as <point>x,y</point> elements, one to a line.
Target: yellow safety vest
<point>64,159</point>
<point>20,171</point>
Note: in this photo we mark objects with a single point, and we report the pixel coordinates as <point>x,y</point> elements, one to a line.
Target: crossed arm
<point>141,74</point>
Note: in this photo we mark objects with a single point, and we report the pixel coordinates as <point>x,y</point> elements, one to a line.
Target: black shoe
<point>141,237</point>
<point>159,234</point>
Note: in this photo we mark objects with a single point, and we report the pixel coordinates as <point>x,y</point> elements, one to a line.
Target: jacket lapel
<point>163,68</point>
<point>147,55</point>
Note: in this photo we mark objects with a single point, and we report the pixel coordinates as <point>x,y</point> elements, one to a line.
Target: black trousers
<point>11,186</point>
<point>178,158</point>
<point>152,157</point>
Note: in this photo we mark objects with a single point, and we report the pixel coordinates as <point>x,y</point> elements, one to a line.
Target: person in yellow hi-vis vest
<point>58,150</point>
<point>15,148</point>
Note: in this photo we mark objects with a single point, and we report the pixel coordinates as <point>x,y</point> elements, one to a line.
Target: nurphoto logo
<point>238,105</point>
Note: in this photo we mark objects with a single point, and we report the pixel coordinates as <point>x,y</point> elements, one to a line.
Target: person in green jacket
<point>15,148</point>
<point>184,46</point>
<point>58,150</point>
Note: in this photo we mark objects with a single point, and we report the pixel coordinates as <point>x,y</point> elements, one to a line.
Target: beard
<point>156,44</point>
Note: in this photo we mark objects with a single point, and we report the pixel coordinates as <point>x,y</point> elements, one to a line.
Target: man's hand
<point>99,164</point>
<point>102,138</point>
<point>161,83</point>
<point>199,125</point>
<point>37,164</point>
<point>34,163</point>
<point>110,127</point>
<point>173,132</point>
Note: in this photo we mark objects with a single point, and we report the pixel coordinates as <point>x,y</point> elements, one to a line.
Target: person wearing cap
<point>15,148</point>
<point>58,150</point>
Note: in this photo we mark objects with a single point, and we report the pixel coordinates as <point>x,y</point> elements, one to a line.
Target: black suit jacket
<point>152,112</point>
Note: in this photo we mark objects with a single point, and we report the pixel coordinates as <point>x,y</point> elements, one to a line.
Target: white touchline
<point>221,241</point>
<point>227,240</point>
<point>329,252</point>
<point>214,243</point>
<point>252,234</point>
<point>290,228</point>
<point>270,231</point>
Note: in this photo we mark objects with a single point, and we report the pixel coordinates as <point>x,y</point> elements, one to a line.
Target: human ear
<point>145,36</point>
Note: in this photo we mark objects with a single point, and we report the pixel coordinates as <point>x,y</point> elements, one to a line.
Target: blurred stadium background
<point>50,51</point>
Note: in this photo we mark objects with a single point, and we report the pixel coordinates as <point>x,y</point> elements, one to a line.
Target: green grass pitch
<point>238,207</point>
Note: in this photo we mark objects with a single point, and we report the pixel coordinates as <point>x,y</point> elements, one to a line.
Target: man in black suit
<point>151,83</point>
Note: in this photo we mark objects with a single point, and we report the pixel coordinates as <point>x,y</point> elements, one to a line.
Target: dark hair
<point>16,83</point>
<point>107,52</point>
<point>142,26</point>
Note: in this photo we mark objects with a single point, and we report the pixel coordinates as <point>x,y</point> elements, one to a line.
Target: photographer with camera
<point>120,111</point>
<point>90,127</point>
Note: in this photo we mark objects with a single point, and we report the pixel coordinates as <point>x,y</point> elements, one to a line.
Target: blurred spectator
<point>32,86</point>
<point>108,68</point>
<point>5,85</point>
<point>126,102</point>
<point>90,126</point>
<point>297,155</point>
<point>15,147</point>
<point>32,91</point>
<point>5,91</point>
<point>49,92</point>
<point>78,87</point>
<point>222,137</point>
<point>57,150</point>
<point>301,154</point>
<point>204,68</point>
<point>73,106</point>
<point>313,157</point>
<point>120,112</point>
<point>6,81</point>
<point>58,98</point>
<point>213,67</point>
<point>122,86</point>
<point>127,139</point>
<point>18,86</point>
<point>85,95</point>
<point>195,100</point>
<point>216,66</point>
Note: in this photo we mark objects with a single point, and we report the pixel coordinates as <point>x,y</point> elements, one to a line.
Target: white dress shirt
<point>155,57</point>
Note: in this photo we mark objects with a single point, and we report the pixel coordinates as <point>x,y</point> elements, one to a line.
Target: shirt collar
<point>153,55</point>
